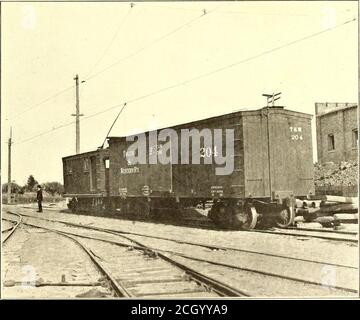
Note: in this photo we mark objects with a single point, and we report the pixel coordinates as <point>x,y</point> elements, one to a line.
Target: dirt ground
<point>330,252</point>
<point>33,257</point>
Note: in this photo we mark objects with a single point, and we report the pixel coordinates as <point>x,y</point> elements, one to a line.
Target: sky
<point>134,54</point>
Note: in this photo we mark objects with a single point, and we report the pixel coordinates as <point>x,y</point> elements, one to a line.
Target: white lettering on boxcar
<point>296,133</point>
<point>129,170</point>
<point>208,152</point>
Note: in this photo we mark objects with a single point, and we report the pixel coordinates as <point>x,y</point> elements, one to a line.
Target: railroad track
<point>331,235</point>
<point>334,235</point>
<point>6,226</point>
<point>198,244</point>
<point>51,208</point>
<point>186,222</point>
<point>144,272</point>
<point>8,232</point>
<point>344,236</point>
<point>193,223</point>
<point>328,230</point>
<point>164,253</point>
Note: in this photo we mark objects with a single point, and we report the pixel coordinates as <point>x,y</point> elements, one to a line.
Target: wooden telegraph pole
<point>9,168</point>
<point>77,115</point>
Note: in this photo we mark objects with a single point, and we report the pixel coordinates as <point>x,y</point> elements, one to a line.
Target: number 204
<point>296,137</point>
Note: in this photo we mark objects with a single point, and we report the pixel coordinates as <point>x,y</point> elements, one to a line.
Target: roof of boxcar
<point>225,116</point>
<point>88,153</point>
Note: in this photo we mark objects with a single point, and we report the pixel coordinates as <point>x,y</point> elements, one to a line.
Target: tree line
<point>52,188</point>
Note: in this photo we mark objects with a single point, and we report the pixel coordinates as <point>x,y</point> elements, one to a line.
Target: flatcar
<point>250,164</point>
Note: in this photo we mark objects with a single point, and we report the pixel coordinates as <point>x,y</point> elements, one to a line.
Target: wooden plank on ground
<point>347,217</point>
<point>340,199</point>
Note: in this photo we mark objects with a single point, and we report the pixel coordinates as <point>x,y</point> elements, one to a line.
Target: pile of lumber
<point>329,210</point>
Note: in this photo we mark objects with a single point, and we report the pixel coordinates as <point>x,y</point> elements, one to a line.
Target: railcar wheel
<point>224,217</point>
<point>286,217</point>
<point>213,212</point>
<point>245,218</point>
<point>220,214</point>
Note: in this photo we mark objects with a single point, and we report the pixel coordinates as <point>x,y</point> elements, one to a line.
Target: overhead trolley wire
<point>91,70</point>
<point>158,91</point>
<point>175,30</point>
<point>67,124</point>
<point>111,41</point>
<point>206,74</point>
<point>150,44</point>
<point>139,51</point>
<point>43,101</point>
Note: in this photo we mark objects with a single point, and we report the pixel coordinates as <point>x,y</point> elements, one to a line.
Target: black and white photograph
<point>179,150</point>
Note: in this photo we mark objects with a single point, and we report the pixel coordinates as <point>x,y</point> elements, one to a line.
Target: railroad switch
<point>151,254</point>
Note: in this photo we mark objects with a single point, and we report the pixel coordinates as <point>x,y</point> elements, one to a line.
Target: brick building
<point>336,131</point>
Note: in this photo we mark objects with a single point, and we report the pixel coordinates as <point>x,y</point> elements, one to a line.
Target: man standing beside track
<point>39,198</point>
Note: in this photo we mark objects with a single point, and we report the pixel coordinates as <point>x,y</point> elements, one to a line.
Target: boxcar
<point>86,179</point>
<point>271,151</point>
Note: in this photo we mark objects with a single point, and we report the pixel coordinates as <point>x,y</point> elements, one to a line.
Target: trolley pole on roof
<point>77,115</point>
<point>271,98</point>
<point>9,168</point>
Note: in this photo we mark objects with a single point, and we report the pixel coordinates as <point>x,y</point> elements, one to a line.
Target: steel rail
<point>140,246</point>
<point>256,230</point>
<point>220,288</point>
<point>158,252</point>
<point>322,230</point>
<point>199,244</point>
<point>7,229</point>
<point>217,286</point>
<point>299,234</point>
<point>12,229</point>
<point>116,285</point>
<point>248,269</point>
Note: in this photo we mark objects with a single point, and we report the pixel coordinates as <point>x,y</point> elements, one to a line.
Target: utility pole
<point>77,115</point>
<point>9,168</point>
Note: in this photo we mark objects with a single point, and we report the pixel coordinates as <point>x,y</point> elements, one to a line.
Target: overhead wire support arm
<point>271,98</point>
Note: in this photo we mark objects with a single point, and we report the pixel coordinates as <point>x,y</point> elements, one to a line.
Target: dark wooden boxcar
<point>85,179</point>
<point>273,163</point>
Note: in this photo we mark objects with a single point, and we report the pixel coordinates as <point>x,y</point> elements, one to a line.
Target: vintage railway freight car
<point>252,164</point>
<point>85,179</point>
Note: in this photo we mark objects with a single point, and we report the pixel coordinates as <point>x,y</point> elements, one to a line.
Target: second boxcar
<point>86,180</point>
